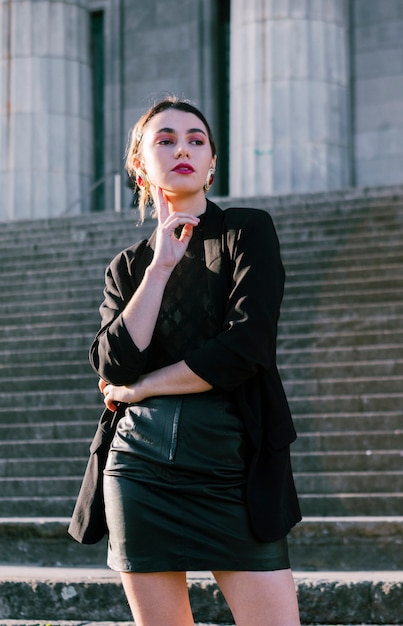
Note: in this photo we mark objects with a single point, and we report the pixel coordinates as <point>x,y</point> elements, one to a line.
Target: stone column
<point>45,108</point>
<point>290,107</point>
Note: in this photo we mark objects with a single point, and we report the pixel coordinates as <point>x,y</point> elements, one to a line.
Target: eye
<point>197,141</point>
<point>164,142</point>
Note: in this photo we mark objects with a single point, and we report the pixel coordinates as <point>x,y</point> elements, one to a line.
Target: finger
<point>108,399</point>
<point>110,404</point>
<point>180,219</point>
<point>102,384</point>
<point>162,207</point>
<point>186,234</point>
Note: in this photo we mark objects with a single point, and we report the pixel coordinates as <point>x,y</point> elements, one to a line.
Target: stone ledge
<point>96,594</point>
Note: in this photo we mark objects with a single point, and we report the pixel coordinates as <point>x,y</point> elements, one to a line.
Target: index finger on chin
<point>162,208</point>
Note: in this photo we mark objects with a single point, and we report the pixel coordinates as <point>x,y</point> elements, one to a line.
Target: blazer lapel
<point>217,258</point>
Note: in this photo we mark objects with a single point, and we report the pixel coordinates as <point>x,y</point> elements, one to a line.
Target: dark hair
<point>133,150</point>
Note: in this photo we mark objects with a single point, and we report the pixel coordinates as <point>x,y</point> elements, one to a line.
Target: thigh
<point>158,598</point>
<point>260,598</point>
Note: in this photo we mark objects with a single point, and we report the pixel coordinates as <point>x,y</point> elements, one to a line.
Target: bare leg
<point>158,599</point>
<point>260,598</point>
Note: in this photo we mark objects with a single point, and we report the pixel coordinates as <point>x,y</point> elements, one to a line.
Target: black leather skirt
<point>174,487</point>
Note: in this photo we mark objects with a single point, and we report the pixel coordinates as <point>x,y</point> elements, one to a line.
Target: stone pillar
<point>378,84</point>
<point>290,103</point>
<point>45,108</point>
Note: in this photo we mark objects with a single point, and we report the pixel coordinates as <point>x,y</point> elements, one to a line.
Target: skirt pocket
<point>150,429</point>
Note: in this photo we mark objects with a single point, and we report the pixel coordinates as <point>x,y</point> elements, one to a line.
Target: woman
<point>198,475</point>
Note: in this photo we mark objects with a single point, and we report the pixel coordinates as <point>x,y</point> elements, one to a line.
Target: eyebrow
<point>171,131</point>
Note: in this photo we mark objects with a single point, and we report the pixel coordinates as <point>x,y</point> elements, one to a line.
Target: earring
<point>209,179</point>
<point>141,178</point>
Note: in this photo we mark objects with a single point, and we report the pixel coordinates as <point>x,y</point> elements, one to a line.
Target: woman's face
<point>176,152</point>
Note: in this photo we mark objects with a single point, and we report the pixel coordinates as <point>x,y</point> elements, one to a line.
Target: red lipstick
<point>183,168</point>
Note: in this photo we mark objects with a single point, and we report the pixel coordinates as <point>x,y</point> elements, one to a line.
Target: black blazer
<point>246,283</point>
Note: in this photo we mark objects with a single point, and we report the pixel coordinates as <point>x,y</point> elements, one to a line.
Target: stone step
<point>289,371</point>
<point>47,369</point>
<point>352,403</point>
<point>340,386</point>
<point>48,330</point>
<point>300,405</point>
<point>57,506</point>
<point>349,440</point>
<point>302,289</point>
<point>365,461</point>
<point>39,487</point>
<point>307,223</point>
<point>357,227</point>
<point>55,466</point>
<point>43,399</point>
<point>304,386</point>
<point>344,461</point>
<point>300,355</point>
<point>316,221</point>
<point>54,412</point>
<point>53,436</point>
<point>327,219</point>
<point>333,422</point>
<point>329,298</point>
<point>341,482</point>
<point>308,252</point>
<point>44,431</point>
<point>319,483</point>
<point>305,423</point>
<point>312,265</point>
<point>302,304</point>
<point>384,256</point>
<point>356,504</point>
<point>61,288</point>
<point>372,266</point>
<point>79,594</point>
<point>57,340</point>
<point>379,200</point>
<point>15,358</point>
<point>337,354</point>
<point>70,301</point>
<point>84,380</point>
<point>306,328</point>
<point>339,369</point>
<point>372,337</point>
<point>44,448</point>
<point>347,543</point>
<point>339,311</point>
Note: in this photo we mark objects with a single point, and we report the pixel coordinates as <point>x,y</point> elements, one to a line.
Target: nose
<point>182,152</point>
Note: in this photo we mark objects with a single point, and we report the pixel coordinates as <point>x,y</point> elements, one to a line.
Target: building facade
<point>302,95</point>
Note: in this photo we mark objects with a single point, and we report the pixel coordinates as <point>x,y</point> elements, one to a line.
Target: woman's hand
<point>113,394</point>
<point>169,249</point>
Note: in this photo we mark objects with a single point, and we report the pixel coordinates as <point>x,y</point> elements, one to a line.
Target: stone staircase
<point>340,354</point>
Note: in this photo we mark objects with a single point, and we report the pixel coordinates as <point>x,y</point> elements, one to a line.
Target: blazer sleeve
<point>113,354</point>
<point>248,338</point>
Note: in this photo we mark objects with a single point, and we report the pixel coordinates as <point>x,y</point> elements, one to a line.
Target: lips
<point>183,168</point>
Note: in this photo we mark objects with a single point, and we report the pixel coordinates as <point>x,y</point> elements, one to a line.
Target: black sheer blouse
<point>186,319</point>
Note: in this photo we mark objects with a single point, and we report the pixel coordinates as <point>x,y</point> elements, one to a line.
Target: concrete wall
<point>378,79</point>
<point>167,49</point>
